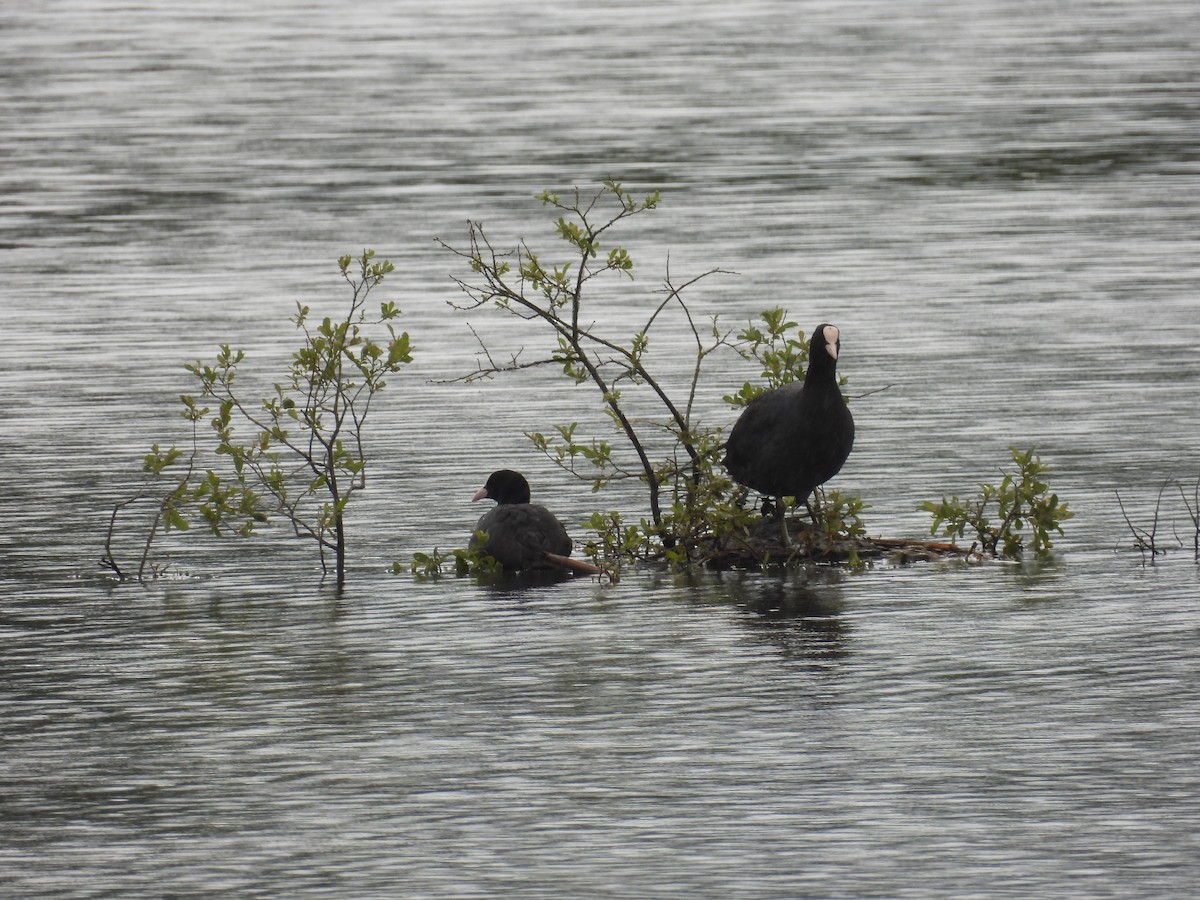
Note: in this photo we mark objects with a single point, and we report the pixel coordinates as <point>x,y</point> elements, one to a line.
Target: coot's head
<point>827,338</point>
<point>823,349</point>
<point>504,486</point>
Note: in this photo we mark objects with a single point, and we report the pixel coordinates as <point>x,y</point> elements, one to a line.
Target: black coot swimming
<point>793,439</point>
<point>520,535</point>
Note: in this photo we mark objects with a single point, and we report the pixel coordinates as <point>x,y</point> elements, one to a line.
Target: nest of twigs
<point>764,545</point>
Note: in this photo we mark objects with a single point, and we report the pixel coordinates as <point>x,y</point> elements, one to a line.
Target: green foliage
<point>781,354</point>
<point>462,562</point>
<point>615,541</point>
<point>783,357</point>
<point>839,514</point>
<point>1006,519</point>
<point>298,452</point>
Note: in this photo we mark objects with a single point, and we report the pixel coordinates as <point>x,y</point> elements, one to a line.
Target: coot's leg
<point>812,513</point>
<point>781,515</point>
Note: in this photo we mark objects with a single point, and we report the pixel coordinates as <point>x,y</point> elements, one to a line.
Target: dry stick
<point>1193,509</point>
<point>878,390</point>
<point>1157,507</point>
<point>1138,541</point>
<point>106,559</point>
<point>1143,540</point>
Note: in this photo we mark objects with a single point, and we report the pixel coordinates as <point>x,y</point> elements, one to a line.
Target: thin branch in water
<point>878,390</point>
<point>1144,541</point>
<point>1193,509</point>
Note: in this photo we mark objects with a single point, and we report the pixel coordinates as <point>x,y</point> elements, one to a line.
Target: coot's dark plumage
<point>793,439</point>
<point>519,533</point>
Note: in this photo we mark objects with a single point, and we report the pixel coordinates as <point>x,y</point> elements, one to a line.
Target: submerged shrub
<point>1008,518</point>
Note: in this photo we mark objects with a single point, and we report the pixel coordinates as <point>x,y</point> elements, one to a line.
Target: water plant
<point>1008,518</point>
<point>461,561</point>
<point>297,453</point>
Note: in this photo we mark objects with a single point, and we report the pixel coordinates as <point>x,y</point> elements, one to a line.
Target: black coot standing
<point>520,535</point>
<point>793,439</point>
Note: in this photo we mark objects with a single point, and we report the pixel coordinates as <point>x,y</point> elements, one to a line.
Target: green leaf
<point>399,351</point>
<point>174,520</point>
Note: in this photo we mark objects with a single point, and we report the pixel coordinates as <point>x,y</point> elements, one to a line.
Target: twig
<point>878,390</point>
<point>1193,508</point>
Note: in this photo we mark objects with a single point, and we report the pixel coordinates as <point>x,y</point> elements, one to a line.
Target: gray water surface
<point>996,203</point>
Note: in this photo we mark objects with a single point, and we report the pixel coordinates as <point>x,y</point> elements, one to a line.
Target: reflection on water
<point>998,208</point>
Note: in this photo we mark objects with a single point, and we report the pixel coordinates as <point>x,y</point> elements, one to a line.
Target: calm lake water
<point>996,202</point>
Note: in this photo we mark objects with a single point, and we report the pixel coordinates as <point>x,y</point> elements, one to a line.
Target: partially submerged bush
<point>1008,518</point>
